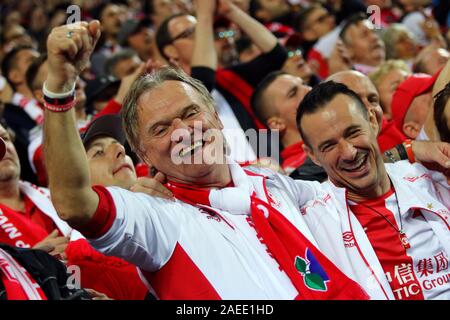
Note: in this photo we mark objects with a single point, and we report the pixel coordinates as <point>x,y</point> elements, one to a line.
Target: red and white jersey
<point>417,270</point>
<point>423,198</point>
<point>189,252</point>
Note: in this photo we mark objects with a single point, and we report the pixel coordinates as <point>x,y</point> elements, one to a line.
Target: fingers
<point>53,234</point>
<point>152,187</point>
<point>160,177</point>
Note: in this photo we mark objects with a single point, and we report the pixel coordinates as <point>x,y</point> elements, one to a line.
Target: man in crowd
<point>217,201</point>
<point>215,221</point>
<point>395,217</point>
<point>365,48</point>
<point>14,68</point>
<point>275,101</point>
<point>434,128</point>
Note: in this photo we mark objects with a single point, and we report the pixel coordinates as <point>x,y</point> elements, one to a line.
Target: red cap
<point>413,86</point>
<point>2,148</point>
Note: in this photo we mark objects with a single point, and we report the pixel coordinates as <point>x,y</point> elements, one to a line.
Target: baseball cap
<point>131,27</point>
<point>98,88</point>
<point>109,125</point>
<point>413,86</point>
<point>2,148</point>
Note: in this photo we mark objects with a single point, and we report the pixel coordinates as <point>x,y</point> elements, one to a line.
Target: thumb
<point>53,234</point>
<point>94,30</point>
<point>160,177</point>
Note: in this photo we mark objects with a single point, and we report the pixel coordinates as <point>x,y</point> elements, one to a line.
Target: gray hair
<point>150,82</point>
<point>391,36</point>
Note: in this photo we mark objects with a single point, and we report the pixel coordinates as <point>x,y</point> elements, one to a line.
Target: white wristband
<point>54,95</point>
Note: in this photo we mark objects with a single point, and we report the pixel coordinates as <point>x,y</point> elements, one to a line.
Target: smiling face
<point>10,164</point>
<point>344,143</point>
<point>108,163</point>
<point>173,131</point>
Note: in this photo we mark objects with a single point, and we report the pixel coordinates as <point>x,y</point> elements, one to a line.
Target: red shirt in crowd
<point>293,157</point>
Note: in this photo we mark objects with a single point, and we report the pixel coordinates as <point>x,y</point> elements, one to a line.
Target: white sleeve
<point>302,190</point>
<point>145,229</point>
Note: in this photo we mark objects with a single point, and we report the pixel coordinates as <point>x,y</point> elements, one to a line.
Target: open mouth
<point>192,149</point>
<point>358,165</point>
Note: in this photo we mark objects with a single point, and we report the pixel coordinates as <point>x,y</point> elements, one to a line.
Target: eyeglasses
<point>225,34</point>
<point>297,52</point>
<point>188,33</point>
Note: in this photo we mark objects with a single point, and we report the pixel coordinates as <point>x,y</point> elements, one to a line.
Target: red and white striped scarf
<point>297,256</point>
<point>17,281</point>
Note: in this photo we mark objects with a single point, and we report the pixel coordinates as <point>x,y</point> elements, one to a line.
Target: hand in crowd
<point>69,49</point>
<point>95,295</point>
<point>153,186</point>
<point>53,244</point>
<point>433,155</point>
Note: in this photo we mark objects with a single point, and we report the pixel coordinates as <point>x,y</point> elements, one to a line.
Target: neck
<point>380,188</point>
<point>218,177</point>
<point>10,195</point>
<point>290,137</point>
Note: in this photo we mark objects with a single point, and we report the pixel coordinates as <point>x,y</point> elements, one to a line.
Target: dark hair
<point>115,58</point>
<point>320,96</point>
<point>351,21</point>
<point>254,6</point>
<point>163,37</point>
<point>302,16</point>
<point>257,101</point>
<point>9,61</point>
<point>440,119</point>
<point>33,70</point>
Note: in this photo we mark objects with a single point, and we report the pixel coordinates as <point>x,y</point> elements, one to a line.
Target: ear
<point>411,129</point>
<point>376,127</point>
<point>276,123</point>
<point>311,154</point>
<point>171,52</point>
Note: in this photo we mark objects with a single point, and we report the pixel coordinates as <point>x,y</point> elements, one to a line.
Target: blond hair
<point>377,75</point>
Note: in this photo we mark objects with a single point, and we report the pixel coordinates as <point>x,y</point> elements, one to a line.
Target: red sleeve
<point>103,218</point>
<point>112,107</point>
<point>389,136</point>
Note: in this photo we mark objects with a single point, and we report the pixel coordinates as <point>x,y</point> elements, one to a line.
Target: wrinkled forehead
<point>167,100</point>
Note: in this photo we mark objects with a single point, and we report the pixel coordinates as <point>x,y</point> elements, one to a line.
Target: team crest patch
<point>313,274</point>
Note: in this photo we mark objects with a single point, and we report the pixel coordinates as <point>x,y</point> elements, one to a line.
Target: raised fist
<point>69,48</point>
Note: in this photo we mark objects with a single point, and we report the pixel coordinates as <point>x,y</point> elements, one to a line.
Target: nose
<point>182,130</point>
<point>116,150</point>
<point>347,151</point>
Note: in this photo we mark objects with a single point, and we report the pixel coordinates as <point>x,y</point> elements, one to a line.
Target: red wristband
<point>60,107</point>
<point>409,150</point>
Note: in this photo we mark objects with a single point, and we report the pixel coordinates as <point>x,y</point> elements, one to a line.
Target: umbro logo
<point>349,239</point>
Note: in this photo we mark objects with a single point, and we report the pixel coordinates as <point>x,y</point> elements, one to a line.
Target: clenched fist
<point>69,48</point>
